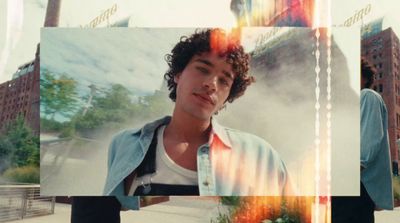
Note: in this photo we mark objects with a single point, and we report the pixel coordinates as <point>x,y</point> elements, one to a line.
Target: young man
<point>190,153</point>
<point>376,175</point>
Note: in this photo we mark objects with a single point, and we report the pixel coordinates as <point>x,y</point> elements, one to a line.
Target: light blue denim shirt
<point>231,163</point>
<point>375,153</point>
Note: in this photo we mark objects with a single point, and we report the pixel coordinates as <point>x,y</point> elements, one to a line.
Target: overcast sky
<point>131,57</point>
<point>20,20</point>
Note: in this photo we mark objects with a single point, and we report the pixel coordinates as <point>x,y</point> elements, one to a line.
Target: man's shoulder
<point>251,145</point>
<point>126,134</point>
<point>243,135</point>
<point>128,131</point>
<point>371,97</point>
<point>239,137</point>
<point>369,93</point>
<point>132,134</point>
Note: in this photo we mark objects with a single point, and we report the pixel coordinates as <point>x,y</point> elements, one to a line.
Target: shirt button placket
<point>205,171</point>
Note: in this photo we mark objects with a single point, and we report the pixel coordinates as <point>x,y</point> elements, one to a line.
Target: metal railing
<point>23,201</point>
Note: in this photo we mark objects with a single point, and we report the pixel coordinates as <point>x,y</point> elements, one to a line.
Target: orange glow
<point>258,209</point>
<point>221,40</point>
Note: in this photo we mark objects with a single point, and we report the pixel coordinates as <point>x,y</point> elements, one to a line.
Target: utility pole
<point>93,90</point>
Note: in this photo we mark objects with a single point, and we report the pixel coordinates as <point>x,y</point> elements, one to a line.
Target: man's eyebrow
<point>204,61</point>
<point>228,74</point>
<point>207,62</point>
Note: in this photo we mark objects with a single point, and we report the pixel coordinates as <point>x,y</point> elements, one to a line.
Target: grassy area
<point>26,174</point>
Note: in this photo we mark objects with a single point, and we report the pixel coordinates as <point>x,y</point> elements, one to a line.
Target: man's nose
<point>211,83</point>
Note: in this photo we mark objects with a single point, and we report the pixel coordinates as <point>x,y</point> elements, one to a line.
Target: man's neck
<point>182,137</point>
<point>186,128</point>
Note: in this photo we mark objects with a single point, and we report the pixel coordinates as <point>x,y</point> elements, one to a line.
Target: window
<point>30,68</point>
<point>380,88</point>
<point>397,119</point>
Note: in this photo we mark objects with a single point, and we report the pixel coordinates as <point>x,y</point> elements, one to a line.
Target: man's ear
<point>177,77</point>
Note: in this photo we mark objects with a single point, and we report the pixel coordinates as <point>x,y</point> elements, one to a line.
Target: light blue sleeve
<point>371,126</point>
<point>127,202</point>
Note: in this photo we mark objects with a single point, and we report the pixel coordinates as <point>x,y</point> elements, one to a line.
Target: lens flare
<point>260,209</point>
<point>222,40</point>
<point>297,13</point>
<point>15,15</point>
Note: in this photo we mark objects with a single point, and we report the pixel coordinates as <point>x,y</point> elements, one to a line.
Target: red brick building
<point>382,50</point>
<point>21,95</point>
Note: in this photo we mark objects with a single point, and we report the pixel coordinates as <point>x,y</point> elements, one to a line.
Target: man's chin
<point>200,113</point>
<point>202,116</point>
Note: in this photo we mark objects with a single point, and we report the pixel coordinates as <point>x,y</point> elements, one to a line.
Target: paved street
<point>388,216</point>
<point>73,168</point>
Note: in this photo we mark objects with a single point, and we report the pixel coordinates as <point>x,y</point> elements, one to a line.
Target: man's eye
<point>203,70</point>
<point>224,82</point>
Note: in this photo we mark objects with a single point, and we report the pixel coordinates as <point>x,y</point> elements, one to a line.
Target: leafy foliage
<point>116,108</point>
<point>18,145</point>
<point>230,200</point>
<point>396,187</point>
<point>109,109</point>
<point>57,95</point>
<point>47,125</point>
<point>235,206</point>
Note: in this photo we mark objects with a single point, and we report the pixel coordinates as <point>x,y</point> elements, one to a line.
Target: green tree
<point>156,105</point>
<point>18,145</point>
<point>57,95</point>
<point>115,106</point>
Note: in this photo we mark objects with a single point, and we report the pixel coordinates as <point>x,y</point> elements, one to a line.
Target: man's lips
<point>205,97</point>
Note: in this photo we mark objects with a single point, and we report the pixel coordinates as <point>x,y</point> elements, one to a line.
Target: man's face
<point>204,85</point>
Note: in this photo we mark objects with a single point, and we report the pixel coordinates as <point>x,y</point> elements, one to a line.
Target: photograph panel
<point>95,83</point>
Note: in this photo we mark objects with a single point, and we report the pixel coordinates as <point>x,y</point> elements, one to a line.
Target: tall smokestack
<point>52,13</point>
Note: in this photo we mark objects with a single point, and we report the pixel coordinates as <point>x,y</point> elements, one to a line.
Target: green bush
<point>26,174</point>
<point>231,200</point>
<point>396,187</point>
<point>68,130</point>
<point>50,125</point>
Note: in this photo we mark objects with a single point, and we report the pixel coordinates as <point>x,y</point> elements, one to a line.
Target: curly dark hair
<point>367,72</point>
<point>210,40</point>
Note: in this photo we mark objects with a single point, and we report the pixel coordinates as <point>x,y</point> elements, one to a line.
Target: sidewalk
<point>178,209</point>
<point>388,216</point>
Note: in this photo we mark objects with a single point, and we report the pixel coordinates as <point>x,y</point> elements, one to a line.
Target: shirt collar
<point>216,130</point>
<point>151,126</point>
<point>220,132</point>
